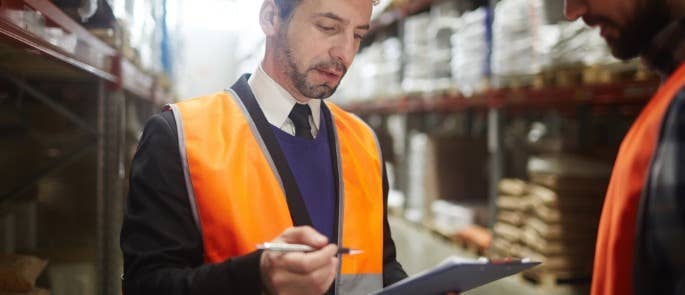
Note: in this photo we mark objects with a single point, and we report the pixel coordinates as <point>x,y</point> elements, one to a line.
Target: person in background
<point>642,227</point>
<point>266,160</point>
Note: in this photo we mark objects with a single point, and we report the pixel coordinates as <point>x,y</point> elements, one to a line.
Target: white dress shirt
<point>276,103</point>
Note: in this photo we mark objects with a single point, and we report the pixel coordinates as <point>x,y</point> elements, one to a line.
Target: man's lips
<point>331,74</point>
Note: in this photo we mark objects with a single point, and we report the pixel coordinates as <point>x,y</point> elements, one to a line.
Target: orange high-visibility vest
<point>613,266</point>
<point>239,199</point>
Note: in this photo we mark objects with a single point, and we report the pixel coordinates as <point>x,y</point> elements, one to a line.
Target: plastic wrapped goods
<point>375,73</point>
<point>580,44</point>
<point>516,37</point>
<point>469,52</point>
<point>417,59</point>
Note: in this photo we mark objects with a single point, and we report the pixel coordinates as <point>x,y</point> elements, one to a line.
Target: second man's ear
<point>268,18</point>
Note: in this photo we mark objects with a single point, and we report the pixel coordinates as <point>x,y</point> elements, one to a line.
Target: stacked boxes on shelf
<point>567,195</point>
<point>579,44</point>
<point>512,210</point>
<point>418,73</point>
<point>470,52</point>
<point>375,73</point>
<point>444,23</point>
<point>517,43</point>
<point>553,218</point>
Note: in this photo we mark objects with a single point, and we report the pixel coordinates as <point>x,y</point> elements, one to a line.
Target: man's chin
<point>623,50</point>
<point>322,91</point>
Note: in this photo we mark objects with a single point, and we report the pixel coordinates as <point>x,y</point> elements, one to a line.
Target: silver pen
<point>285,247</point>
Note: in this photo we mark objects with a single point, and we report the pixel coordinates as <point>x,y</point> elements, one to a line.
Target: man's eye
<point>358,36</point>
<point>326,28</point>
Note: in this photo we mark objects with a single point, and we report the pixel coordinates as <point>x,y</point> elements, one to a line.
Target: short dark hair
<point>286,7</point>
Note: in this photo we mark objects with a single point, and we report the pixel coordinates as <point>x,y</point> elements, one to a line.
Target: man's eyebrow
<point>336,17</point>
<point>331,16</point>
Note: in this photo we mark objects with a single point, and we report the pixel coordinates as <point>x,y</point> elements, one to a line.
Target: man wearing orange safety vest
<point>642,228</point>
<point>265,160</point>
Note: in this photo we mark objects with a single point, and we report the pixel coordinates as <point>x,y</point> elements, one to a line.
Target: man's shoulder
<point>350,121</point>
<point>205,99</point>
<point>341,114</point>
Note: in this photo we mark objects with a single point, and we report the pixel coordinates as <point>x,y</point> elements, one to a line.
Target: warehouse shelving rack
<point>576,99</point>
<point>27,58</point>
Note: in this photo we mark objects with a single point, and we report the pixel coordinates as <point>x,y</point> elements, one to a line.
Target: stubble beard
<point>636,37</point>
<point>299,79</point>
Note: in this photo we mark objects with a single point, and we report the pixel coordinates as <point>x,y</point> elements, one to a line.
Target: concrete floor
<point>418,249</point>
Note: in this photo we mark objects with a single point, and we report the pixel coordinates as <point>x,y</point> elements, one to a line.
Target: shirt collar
<point>667,50</point>
<point>275,101</point>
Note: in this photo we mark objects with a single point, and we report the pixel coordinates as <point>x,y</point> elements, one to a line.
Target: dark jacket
<point>163,251</point>
<point>659,264</point>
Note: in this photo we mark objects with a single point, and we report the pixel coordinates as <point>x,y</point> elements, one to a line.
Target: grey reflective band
<point>360,284</point>
<point>257,136</point>
<point>184,162</point>
<point>341,200</point>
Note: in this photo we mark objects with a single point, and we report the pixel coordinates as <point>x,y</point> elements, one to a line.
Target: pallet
<point>552,231</point>
<point>616,72</point>
<point>437,231</point>
<point>550,248</point>
<point>501,248</point>
<point>567,263</point>
<point>474,239</point>
<point>566,213</point>
<point>575,75</point>
<point>517,81</point>
<point>560,182</point>
<point>558,283</point>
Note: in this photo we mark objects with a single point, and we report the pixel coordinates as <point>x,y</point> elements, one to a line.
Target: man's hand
<point>298,272</point>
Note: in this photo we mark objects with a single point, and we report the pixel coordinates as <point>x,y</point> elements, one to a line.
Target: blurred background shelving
<point>499,122</point>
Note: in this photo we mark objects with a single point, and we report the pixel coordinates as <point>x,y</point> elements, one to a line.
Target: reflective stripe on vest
<point>613,264</point>
<point>239,199</point>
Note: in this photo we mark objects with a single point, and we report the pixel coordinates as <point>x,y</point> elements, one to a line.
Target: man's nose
<point>345,50</point>
<point>574,9</point>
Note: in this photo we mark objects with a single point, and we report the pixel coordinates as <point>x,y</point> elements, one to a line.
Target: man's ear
<point>268,18</point>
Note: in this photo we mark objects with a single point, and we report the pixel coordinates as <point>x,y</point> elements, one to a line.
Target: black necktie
<point>300,117</point>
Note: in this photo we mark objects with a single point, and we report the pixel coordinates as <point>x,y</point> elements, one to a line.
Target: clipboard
<point>457,275</point>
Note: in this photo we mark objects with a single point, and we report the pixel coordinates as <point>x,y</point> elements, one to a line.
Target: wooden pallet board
<point>560,182</point>
<point>556,283</point>
<point>582,228</point>
<point>566,213</point>
<point>475,239</point>
<point>576,263</point>
<point>576,75</point>
<point>580,246</point>
<point>502,248</point>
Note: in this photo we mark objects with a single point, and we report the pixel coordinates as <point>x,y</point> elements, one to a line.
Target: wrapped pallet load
<point>470,52</point>
<point>566,197</point>
<point>18,274</point>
